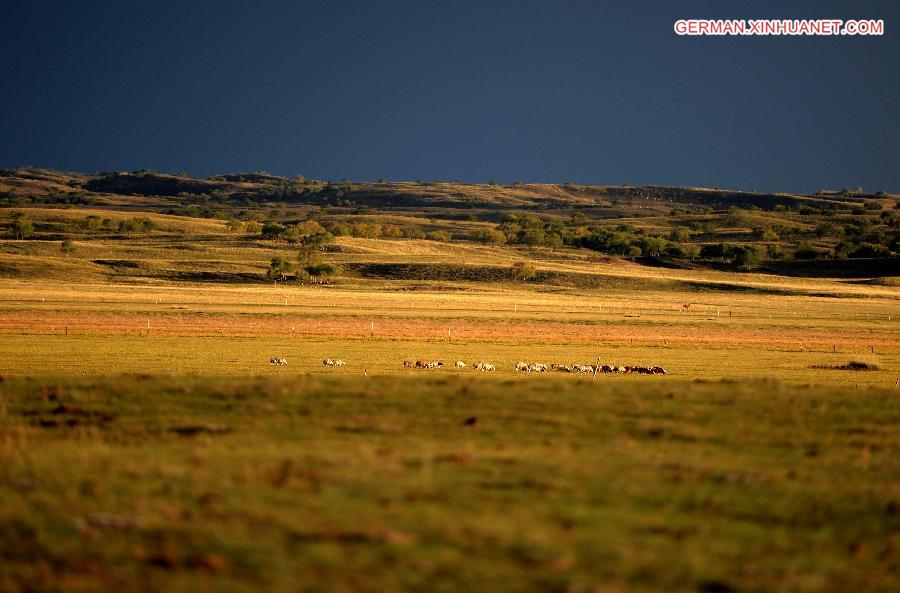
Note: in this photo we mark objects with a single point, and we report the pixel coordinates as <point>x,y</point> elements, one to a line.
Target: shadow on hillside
<point>830,268</point>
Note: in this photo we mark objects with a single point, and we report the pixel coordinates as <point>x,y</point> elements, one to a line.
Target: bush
<point>680,234</point>
<point>273,230</point>
<point>714,251</point>
<point>279,268</point>
<point>366,230</point>
<point>490,237</point>
<point>807,251</point>
<point>22,229</point>
<point>413,232</point>
<point>523,271</point>
<point>870,250</point>
<point>438,236</point>
<point>391,231</point>
<point>321,270</point>
<point>137,224</point>
<point>745,256</point>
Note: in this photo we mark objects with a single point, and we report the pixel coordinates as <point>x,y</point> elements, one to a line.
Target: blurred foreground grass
<point>445,483</point>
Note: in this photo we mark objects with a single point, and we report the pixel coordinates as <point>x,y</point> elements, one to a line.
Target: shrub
<point>490,237</point>
<point>523,271</point>
<point>438,236</point>
<point>279,268</point>
<point>807,251</point>
<point>680,234</point>
<point>713,251</point>
<point>322,269</point>
<point>413,232</point>
<point>870,250</point>
<point>745,256</point>
<point>22,229</point>
<point>272,230</point>
<point>138,224</point>
<point>391,231</point>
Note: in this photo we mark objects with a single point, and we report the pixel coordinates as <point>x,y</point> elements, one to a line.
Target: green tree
<point>523,271</point>
<point>680,234</point>
<point>746,256</point>
<point>322,270</point>
<point>279,268</point>
<point>272,230</point>
<point>22,229</point>
<point>311,246</point>
<point>490,237</point>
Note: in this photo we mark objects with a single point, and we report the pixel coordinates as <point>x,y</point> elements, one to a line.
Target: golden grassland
<point>48,327</point>
<point>146,443</point>
<point>115,299</point>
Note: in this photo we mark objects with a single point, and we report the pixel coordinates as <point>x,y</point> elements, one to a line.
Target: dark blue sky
<point>554,91</point>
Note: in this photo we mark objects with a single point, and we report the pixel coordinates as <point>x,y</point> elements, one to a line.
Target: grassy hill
<point>672,227</point>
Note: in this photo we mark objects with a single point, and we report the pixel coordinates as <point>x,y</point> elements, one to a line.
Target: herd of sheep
<point>421,364</point>
<point>524,367</point>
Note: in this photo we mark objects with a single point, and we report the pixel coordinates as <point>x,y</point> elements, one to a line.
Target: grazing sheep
<point>487,367</point>
<point>277,360</point>
<point>408,364</point>
<point>658,371</point>
<point>328,362</point>
<point>421,364</point>
<point>606,368</point>
<point>555,366</point>
<point>460,364</point>
<point>537,367</point>
<point>563,369</point>
<point>339,363</point>
<point>522,367</point>
<point>619,370</point>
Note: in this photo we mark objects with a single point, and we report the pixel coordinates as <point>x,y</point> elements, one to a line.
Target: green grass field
<point>314,483</point>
